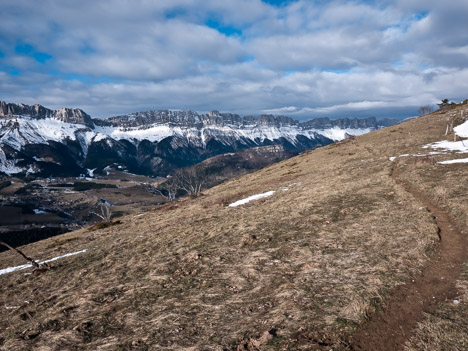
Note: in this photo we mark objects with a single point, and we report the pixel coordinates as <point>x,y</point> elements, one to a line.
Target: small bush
<point>25,189</point>
<point>102,225</point>
<point>83,186</point>
<point>440,193</point>
<point>425,160</point>
<point>425,110</point>
<point>62,185</point>
<point>5,184</point>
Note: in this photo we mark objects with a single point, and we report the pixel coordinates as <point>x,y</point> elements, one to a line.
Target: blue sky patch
<point>41,57</point>
<point>226,30</point>
<point>11,70</point>
<point>24,49</point>
<point>419,16</point>
<point>278,2</point>
<point>30,51</point>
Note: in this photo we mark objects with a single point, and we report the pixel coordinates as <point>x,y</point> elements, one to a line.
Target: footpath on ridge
<point>389,328</point>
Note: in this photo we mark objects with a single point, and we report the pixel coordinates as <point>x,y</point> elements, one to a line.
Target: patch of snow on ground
<point>457,146</point>
<point>393,158</point>
<point>251,198</point>
<point>12,269</point>
<point>460,160</point>
<point>462,130</point>
<point>38,211</point>
<point>24,266</point>
<point>63,256</point>
<point>431,153</point>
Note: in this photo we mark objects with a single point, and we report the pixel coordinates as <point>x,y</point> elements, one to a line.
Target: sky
<point>303,59</point>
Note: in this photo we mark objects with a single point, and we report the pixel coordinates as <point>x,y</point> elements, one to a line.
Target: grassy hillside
<point>305,268</point>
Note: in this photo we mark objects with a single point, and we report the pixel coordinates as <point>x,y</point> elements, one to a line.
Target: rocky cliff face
<point>35,111</point>
<point>68,115</point>
<point>73,115</point>
<point>37,140</point>
<point>215,118</point>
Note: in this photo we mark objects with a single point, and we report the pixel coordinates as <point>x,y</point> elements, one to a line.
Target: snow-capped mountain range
<point>34,139</point>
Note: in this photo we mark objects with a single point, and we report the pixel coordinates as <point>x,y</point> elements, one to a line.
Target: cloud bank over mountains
<point>299,58</point>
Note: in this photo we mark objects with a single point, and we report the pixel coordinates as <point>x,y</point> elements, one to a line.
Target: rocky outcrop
<point>34,111</point>
<point>192,119</point>
<point>343,123</point>
<point>73,115</point>
<point>68,115</point>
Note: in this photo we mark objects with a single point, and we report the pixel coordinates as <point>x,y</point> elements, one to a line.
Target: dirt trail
<point>389,329</point>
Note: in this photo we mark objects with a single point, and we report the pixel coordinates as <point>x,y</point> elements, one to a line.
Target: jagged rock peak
<point>343,123</point>
<point>73,115</point>
<point>69,115</point>
<point>215,118</point>
<point>35,111</point>
<point>186,118</point>
<point>193,119</point>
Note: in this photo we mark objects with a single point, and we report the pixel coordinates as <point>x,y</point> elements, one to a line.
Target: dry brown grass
<point>440,194</point>
<point>424,160</point>
<point>310,262</point>
<point>446,330</point>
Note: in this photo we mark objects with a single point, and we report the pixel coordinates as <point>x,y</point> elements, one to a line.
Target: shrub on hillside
<point>5,184</point>
<point>83,186</point>
<point>425,110</point>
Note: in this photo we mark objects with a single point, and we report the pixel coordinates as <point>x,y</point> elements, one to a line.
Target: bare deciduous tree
<point>424,110</point>
<point>190,180</point>
<point>105,213</point>
<point>168,189</point>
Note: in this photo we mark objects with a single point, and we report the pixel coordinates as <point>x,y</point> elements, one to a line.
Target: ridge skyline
<point>211,113</point>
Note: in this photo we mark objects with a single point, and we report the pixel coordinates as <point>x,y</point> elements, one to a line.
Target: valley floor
<point>309,267</point>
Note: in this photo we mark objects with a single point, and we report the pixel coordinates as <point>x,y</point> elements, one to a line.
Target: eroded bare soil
<point>390,328</point>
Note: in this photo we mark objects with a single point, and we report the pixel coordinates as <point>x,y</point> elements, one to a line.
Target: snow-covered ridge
<point>23,130</point>
<point>119,138</point>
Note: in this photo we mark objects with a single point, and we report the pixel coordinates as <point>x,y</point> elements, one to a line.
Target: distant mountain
<point>69,115</point>
<point>44,142</point>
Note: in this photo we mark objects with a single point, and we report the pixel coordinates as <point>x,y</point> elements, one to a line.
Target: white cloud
<point>307,58</point>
